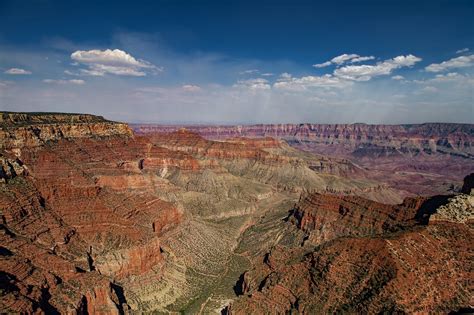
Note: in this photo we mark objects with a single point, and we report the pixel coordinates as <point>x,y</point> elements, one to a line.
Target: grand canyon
<point>102,217</point>
<point>282,157</point>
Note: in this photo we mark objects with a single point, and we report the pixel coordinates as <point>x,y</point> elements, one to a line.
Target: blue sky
<point>240,62</point>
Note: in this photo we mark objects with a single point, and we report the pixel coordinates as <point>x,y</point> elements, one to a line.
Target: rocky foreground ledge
<point>19,130</point>
<point>362,257</point>
<point>14,119</point>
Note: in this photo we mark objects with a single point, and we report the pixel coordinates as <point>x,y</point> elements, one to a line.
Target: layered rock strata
<point>424,159</point>
<point>360,256</point>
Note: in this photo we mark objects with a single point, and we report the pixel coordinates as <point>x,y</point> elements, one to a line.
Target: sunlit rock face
<point>26,130</point>
<point>98,219</point>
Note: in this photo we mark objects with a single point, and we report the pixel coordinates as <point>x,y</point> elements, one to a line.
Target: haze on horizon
<point>240,62</point>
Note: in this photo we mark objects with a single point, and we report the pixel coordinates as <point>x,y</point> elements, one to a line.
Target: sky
<point>240,62</point>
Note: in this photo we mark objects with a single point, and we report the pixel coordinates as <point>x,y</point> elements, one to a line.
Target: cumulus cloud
<point>116,62</point>
<point>73,81</point>
<point>17,71</point>
<point>398,77</point>
<point>458,62</point>
<point>114,57</point>
<point>344,58</point>
<point>253,84</point>
<point>460,51</point>
<point>367,72</point>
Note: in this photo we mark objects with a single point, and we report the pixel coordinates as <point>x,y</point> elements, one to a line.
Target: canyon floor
<point>105,218</point>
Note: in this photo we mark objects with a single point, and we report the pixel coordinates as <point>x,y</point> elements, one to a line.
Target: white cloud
<point>267,74</point>
<point>344,58</point>
<point>460,51</point>
<point>99,70</point>
<point>322,65</point>
<point>360,59</point>
<point>366,72</point>
<point>398,77</point>
<point>339,60</point>
<point>117,62</point>
<point>403,61</point>
<point>458,62</point>
<point>114,57</point>
<point>17,71</point>
<point>452,76</point>
<point>253,84</point>
<point>73,81</point>
<point>94,72</point>
<point>191,88</point>
<point>303,83</point>
<point>285,76</point>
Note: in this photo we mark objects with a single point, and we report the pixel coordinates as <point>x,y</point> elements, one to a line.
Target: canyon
<point>424,159</point>
<point>104,217</point>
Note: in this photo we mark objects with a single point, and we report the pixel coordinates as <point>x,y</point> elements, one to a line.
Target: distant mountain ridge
<point>261,130</point>
<point>410,156</point>
<point>429,138</point>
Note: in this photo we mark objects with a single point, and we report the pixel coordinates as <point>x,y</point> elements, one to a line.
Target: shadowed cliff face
<point>97,219</point>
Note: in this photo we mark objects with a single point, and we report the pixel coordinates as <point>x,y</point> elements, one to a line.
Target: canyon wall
<point>357,139</point>
<point>97,219</point>
<point>360,256</point>
<point>424,159</point>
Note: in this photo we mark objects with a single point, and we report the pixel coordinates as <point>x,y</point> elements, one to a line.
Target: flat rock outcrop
<point>26,130</point>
